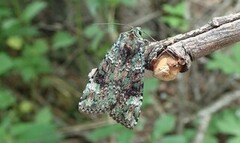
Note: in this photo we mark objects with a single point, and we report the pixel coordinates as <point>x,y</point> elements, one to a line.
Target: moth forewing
<point>116,86</point>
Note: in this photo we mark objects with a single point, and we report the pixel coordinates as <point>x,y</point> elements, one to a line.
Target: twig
<point>205,114</point>
<point>218,33</point>
<point>202,128</point>
<point>86,126</point>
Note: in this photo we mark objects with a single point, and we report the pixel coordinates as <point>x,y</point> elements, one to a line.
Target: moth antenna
<point>114,23</point>
<point>149,36</point>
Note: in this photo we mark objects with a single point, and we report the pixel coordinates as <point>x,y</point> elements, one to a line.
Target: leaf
<point>96,34</point>
<point>174,139</point>
<point>5,11</point>
<point>189,134</point>
<point>222,62</point>
<point>63,39</point>
<point>32,10</point>
<point>91,31</point>
<point>93,6</point>
<point>30,67</point>
<point>173,22</point>
<point>175,16</point>
<point>104,132</point>
<point>14,27</point>
<point>44,116</point>
<point>228,123</point>
<point>5,124</point>
<point>38,48</point>
<point>150,85</point>
<point>15,42</point>
<point>3,135</point>
<point>234,140</point>
<point>29,31</point>
<point>210,139</point>
<point>26,106</point>
<point>9,23</point>
<point>7,99</point>
<point>178,9</point>
<point>227,63</point>
<point>236,52</point>
<point>35,132</point>
<point>163,125</point>
<point>33,61</point>
<point>125,136</point>
<point>6,63</point>
<point>129,3</point>
<point>28,74</point>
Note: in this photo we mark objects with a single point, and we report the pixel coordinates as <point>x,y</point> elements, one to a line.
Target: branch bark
<point>218,33</point>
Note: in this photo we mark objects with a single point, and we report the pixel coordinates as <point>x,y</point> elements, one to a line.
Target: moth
<point>116,86</point>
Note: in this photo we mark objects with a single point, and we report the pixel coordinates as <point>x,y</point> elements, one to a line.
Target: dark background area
<point>48,47</point>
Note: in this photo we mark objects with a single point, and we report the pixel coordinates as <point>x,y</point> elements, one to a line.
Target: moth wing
<point>128,106</point>
<point>95,100</point>
<point>100,92</point>
<point>117,84</point>
<point>127,111</point>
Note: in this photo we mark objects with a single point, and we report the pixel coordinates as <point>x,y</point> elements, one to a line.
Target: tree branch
<point>185,48</point>
<point>206,114</point>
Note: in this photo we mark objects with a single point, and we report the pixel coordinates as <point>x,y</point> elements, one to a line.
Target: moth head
<point>137,31</point>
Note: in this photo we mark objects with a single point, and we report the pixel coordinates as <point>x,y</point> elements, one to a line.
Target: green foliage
<point>120,133</point>
<point>101,133</point>
<point>125,136</point>
<point>129,3</point>
<point>227,63</point>
<point>42,129</point>
<point>150,85</point>
<point>189,133</point>
<point>95,5</point>
<point>234,140</point>
<point>26,51</point>
<point>210,139</point>
<point>96,34</point>
<point>6,99</point>
<point>23,53</point>
<point>163,125</point>
<point>33,63</point>
<point>228,122</point>
<point>32,10</point>
<point>16,31</point>
<point>63,39</point>
<point>225,122</point>
<point>174,139</point>
<point>102,8</point>
<point>26,106</point>
<point>175,16</point>
<point>35,132</point>
<point>15,42</point>
<point>6,63</point>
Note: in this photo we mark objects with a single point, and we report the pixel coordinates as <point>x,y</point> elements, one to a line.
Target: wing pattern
<point>116,86</point>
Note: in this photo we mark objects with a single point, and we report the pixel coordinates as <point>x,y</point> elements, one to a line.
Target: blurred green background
<point>47,48</point>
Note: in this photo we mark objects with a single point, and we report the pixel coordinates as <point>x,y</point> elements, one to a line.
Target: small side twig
<point>206,114</point>
<point>79,129</point>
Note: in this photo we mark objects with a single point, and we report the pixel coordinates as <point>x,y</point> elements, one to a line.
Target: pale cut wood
<point>218,33</point>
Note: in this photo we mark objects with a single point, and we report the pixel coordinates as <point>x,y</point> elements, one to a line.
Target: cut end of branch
<point>166,67</point>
